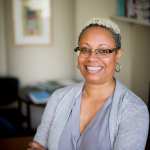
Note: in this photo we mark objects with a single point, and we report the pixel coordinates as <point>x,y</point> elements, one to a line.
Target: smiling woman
<point>99,113</point>
<point>101,64</point>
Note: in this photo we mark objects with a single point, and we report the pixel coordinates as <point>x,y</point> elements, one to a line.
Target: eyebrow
<point>86,44</point>
<point>99,46</point>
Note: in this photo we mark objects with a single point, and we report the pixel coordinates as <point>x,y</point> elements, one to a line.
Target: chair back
<point>9,87</point>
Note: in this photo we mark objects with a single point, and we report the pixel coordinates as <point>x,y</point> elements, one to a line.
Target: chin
<point>94,81</point>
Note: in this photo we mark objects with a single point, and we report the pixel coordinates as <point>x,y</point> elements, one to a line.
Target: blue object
<point>39,96</point>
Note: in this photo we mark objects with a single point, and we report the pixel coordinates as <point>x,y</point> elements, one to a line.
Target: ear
<point>119,54</point>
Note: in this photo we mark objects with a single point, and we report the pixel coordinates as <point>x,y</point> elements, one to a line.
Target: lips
<point>93,69</point>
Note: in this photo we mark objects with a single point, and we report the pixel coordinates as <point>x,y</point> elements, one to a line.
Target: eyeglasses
<point>100,53</point>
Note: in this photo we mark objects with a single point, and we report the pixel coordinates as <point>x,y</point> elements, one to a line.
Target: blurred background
<point>31,64</point>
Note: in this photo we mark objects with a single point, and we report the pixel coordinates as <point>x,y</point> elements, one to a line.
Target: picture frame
<point>32,22</point>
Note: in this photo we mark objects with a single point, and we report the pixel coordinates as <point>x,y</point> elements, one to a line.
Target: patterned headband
<point>104,22</point>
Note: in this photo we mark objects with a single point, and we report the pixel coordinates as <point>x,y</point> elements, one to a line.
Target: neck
<point>99,91</point>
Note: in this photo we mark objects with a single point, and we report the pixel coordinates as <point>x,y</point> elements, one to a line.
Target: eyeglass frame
<point>103,54</point>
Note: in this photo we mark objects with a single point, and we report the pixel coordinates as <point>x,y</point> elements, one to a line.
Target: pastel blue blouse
<point>95,136</point>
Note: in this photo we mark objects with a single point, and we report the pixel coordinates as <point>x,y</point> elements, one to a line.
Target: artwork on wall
<point>32,22</point>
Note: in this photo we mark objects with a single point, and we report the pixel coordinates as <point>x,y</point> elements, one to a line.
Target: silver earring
<point>118,67</point>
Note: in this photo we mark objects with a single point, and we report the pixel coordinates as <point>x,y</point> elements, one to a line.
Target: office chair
<point>10,107</point>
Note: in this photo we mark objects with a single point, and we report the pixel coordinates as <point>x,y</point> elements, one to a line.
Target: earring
<point>118,67</point>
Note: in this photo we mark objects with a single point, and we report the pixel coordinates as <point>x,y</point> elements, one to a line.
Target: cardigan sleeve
<point>42,132</point>
<point>63,97</point>
<point>133,126</point>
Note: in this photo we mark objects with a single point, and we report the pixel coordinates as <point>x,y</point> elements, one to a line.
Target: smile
<point>92,69</point>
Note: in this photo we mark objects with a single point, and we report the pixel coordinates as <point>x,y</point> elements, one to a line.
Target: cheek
<point>111,64</point>
<point>80,61</point>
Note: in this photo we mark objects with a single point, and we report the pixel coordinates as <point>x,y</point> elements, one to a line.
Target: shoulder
<point>70,89</point>
<point>132,99</point>
<point>126,96</point>
<point>135,106</point>
<point>131,104</point>
<point>63,94</point>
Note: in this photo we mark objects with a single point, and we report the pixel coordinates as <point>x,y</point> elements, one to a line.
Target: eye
<point>84,50</point>
<point>102,51</point>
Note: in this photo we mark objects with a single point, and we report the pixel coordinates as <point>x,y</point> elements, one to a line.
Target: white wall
<point>135,62</point>
<point>87,9</point>
<point>140,60</point>
<point>3,59</point>
<point>38,63</point>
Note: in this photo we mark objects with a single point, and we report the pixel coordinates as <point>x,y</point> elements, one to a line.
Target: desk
<point>27,101</point>
<point>24,98</point>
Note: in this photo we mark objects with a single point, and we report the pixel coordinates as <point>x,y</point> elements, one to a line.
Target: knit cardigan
<point>128,122</point>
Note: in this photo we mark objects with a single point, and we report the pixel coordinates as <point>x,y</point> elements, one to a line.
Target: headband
<point>104,22</point>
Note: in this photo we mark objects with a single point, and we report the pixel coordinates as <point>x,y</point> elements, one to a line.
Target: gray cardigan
<point>128,122</point>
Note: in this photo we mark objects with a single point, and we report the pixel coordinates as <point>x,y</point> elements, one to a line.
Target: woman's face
<point>97,69</point>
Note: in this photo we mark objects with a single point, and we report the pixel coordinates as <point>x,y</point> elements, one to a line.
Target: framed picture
<point>32,22</point>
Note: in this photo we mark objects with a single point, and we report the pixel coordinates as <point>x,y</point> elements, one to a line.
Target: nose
<point>93,52</point>
<point>92,55</point>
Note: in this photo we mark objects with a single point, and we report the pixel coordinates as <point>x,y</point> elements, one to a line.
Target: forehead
<point>97,34</point>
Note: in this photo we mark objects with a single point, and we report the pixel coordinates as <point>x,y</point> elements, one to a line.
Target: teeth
<point>93,69</point>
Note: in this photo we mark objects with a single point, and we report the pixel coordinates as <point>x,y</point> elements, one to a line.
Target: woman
<point>101,113</point>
